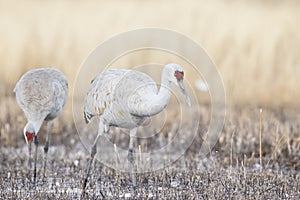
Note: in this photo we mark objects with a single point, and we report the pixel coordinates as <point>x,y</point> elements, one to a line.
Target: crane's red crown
<point>179,75</point>
<point>29,136</point>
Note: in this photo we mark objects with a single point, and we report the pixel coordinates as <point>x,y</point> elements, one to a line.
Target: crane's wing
<point>41,92</point>
<point>101,93</point>
<point>127,89</point>
<point>60,93</point>
<point>143,89</point>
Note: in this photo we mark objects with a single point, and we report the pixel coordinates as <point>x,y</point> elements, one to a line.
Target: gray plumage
<point>41,94</point>
<point>114,92</point>
<point>126,98</point>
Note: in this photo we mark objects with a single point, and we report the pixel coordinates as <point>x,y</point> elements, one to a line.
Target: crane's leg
<point>29,158</point>
<point>36,142</point>
<point>131,158</point>
<point>93,152</point>
<point>46,147</point>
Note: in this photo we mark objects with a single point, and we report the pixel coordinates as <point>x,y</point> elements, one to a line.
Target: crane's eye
<point>179,75</point>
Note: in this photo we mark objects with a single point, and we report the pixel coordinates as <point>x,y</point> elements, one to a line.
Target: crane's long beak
<point>182,87</point>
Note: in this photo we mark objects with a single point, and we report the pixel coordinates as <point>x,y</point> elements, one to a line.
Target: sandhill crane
<point>41,94</point>
<point>126,99</point>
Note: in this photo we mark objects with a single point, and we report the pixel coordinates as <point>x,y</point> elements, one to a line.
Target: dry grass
<point>232,170</point>
<point>254,44</point>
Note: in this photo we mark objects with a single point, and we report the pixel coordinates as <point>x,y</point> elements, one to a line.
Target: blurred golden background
<point>254,44</point>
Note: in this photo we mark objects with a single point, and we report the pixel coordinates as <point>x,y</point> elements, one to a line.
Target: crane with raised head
<point>126,99</point>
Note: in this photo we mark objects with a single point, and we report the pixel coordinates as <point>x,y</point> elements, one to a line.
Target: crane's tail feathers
<point>87,117</point>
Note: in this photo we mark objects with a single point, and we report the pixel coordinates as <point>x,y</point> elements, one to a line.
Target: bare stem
<point>260,138</point>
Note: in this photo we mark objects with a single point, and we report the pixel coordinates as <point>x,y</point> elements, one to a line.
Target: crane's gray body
<point>41,94</point>
<point>126,98</point>
<point>115,94</point>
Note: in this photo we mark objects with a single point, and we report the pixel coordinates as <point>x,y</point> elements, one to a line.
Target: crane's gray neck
<point>158,102</point>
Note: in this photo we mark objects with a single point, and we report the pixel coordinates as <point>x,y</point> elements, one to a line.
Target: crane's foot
<point>134,187</point>
<point>84,184</point>
<point>88,169</point>
<point>34,178</point>
<point>44,178</point>
<point>83,193</point>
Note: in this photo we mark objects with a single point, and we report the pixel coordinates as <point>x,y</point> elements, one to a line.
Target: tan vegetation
<point>255,44</point>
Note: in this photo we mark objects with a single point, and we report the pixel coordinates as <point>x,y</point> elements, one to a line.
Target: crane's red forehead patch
<point>29,136</point>
<point>179,75</point>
